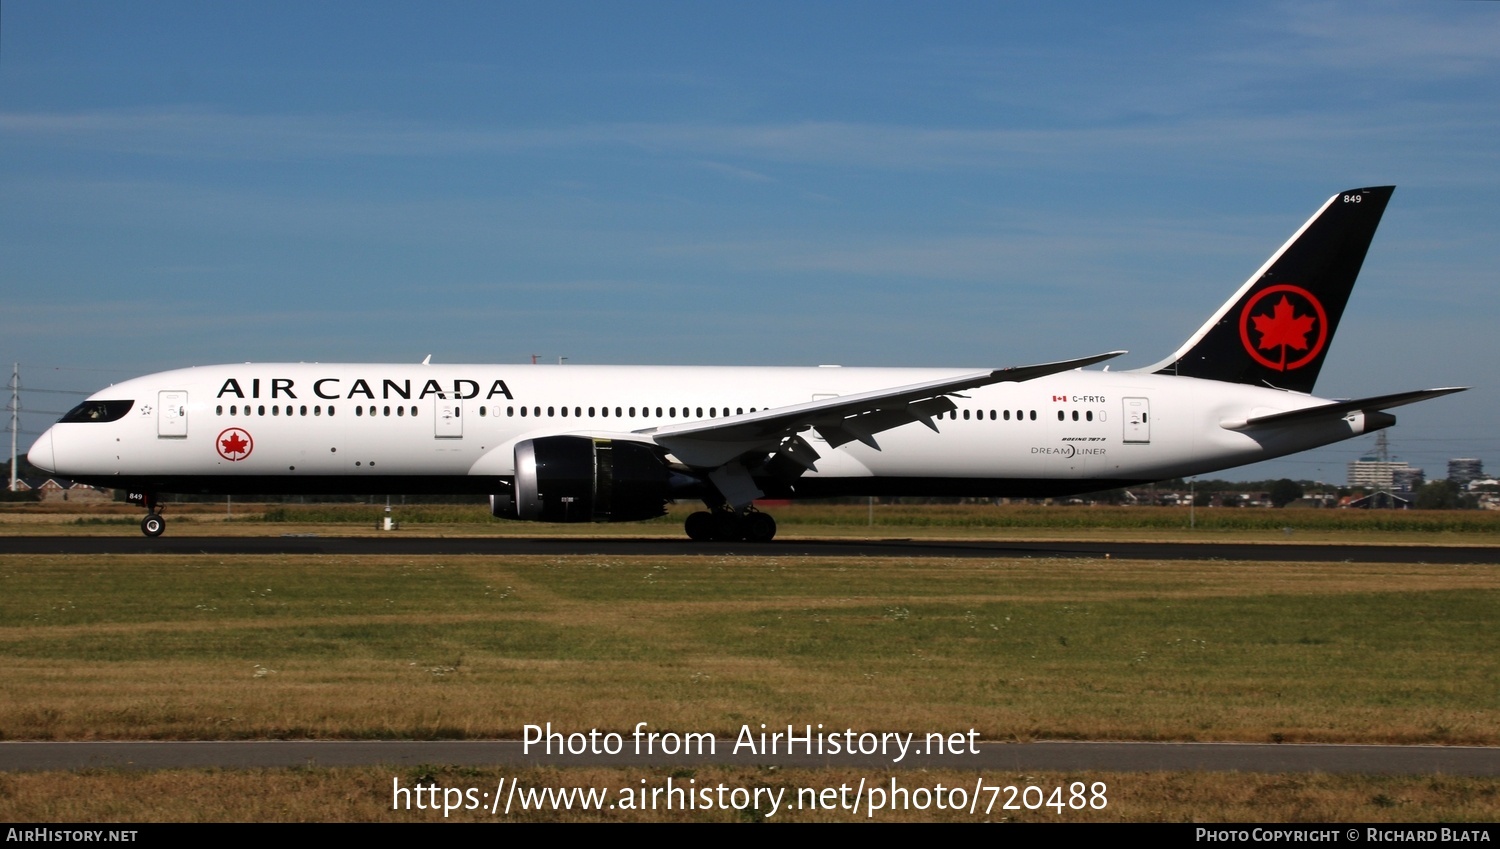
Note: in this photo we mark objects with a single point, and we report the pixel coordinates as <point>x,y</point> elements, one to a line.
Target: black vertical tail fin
<point>1276,329</point>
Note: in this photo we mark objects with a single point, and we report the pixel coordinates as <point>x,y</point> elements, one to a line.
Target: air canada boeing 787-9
<point>617,443</point>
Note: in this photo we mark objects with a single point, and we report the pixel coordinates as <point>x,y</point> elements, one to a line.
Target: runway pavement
<point>1039,756</point>
<point>667,547</point>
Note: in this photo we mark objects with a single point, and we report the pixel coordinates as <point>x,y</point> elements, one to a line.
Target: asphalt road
<point>668,547</point>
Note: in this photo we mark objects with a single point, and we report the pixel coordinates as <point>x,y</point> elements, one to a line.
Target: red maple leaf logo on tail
<point>1284,329</point>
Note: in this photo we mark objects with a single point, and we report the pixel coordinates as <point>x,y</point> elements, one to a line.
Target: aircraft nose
<point>41,454</point>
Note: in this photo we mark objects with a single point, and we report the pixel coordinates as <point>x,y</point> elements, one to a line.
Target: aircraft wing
<point>840,419</point>
<point>1339,409</point>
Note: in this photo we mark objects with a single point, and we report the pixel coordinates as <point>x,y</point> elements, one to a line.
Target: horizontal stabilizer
<point>1339,409</point>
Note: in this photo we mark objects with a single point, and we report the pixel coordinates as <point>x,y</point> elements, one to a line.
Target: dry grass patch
<point>365,795</point>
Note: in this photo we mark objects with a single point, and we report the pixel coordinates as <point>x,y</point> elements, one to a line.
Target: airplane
<point>576,443</point>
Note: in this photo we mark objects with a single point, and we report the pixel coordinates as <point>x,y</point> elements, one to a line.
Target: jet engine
<point>585,479</point>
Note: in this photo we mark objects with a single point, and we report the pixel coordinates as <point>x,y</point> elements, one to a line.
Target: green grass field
<point>254,647</point>
<point>246,647</point>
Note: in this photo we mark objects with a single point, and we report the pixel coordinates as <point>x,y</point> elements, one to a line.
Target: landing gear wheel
<point>699,526</point>
<point>153,525</point>
<point>758,527</point>
<point>727,527</point>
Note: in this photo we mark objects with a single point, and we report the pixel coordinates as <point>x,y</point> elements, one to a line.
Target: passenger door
<point>171,414</point>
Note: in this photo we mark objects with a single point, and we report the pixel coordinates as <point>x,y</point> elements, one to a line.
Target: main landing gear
<point>730,526</point>
<point>153,524</point>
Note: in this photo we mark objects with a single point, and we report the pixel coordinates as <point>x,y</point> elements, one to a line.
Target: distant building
<point>62,489</point>
<point>1409,479</point>
<point>1380,501</point>
<point>1370,472</point>
<point>1464,469</point>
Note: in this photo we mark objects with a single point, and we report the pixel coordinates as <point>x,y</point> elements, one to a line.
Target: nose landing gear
<point>153,524</point>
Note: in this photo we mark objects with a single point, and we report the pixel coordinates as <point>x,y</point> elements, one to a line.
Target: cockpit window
<point>98,411</point>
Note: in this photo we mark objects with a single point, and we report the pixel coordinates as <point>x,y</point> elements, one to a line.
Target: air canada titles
<point>333,388</point>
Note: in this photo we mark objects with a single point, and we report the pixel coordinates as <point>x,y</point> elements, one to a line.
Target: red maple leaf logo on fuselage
<point>235,444</point>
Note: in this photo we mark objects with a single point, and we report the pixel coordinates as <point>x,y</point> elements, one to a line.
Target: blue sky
<point>955,184</point>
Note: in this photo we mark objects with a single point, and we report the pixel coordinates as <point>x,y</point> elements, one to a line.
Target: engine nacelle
<point>585,479</point>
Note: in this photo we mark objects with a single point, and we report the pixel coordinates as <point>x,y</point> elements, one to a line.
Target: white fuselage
<point>380,428</point>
